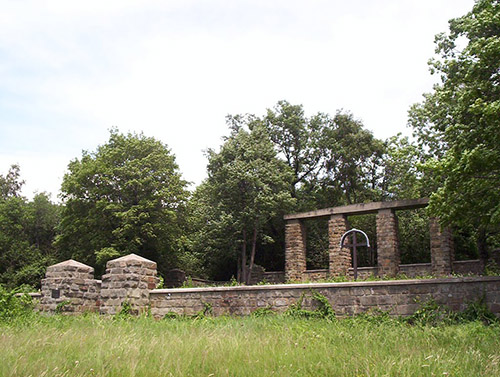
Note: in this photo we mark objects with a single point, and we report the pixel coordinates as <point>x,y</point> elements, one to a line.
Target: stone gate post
<point>70,287</point>
<point>128,278</point>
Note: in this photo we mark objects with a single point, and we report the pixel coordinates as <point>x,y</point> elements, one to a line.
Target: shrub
<point>14,306</point>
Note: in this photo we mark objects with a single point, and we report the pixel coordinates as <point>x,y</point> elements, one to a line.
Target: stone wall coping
<point>466,261</point>
<point>31,294</point>
<point>362,208</point>
<point>71,263</point>
<point>380,283</point>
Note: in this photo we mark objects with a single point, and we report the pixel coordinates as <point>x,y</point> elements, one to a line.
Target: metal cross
<point>354,245</point>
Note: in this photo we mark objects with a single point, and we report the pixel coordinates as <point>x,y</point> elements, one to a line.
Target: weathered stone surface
<point>295,250</point>
<point>69,287</point>
<point>442,249</point>
<point>339,259</point>
<point>388,257</point>
<point>127,279</point>
<point>398,297</point>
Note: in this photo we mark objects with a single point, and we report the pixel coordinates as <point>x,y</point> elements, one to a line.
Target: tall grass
<point>251,346</point>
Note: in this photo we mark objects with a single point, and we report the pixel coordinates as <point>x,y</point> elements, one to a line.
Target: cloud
<point>71,70</point>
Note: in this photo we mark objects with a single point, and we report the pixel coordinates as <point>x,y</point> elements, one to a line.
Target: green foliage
<point>125,312</point>
<point>323,309</point>
<point>13,306</point>
<point>458,123</point>
<point>478,311</point>
<point>247,187</point>
<point>61,307</point>
<point>205,312</point>
<point>263,312</point>
<point>431,313</point>
<point>126,197</point>
<point>27,231</point>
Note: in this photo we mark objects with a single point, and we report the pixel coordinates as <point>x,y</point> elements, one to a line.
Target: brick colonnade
<point>442,253</point>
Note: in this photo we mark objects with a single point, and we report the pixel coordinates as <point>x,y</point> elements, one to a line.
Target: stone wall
<point>70,287</point>
<point>398,297</point>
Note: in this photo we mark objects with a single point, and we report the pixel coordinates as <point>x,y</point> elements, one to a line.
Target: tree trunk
<point>252,255</point>
<point>243,267</point>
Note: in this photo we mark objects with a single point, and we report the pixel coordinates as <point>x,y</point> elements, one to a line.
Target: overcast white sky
<point>71,70</point>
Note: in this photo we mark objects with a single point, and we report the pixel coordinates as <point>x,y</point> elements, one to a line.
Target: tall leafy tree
<point>126,197</point>
<point>27,231</point>
<point>458,123</point>
<point>352,161</point>
<point>298,140</point>
<point>248,185</point>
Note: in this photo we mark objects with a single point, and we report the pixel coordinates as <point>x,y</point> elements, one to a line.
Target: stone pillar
<point>339,259</point>
<point>127,279</point>
<point>295,250</point>
<point>70,287</point>
<point>442,248</point>
<point>388,257</point>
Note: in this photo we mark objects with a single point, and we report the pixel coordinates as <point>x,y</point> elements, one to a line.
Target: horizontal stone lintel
<point>362,208</point>
<point>382,283</point>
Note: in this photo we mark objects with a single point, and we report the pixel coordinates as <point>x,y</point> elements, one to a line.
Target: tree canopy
<point>126,197</point>
<point>458,123</point>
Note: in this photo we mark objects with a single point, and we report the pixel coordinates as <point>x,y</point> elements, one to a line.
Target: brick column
<point>295,250</point>
<point>442,248</point>
<point>339,259</point>
<point>128,278</point>
<point>388,257</point>
<point>70,287</point>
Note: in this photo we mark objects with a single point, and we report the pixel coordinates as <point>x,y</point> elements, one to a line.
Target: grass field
<point>251,346</point>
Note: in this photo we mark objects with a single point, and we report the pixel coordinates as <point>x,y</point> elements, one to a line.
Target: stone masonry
<point>397,297</point>
<point>70,287</point>
<point>339,259</point>
<point>442,249</point>
<point>129,278</point>
<point>388,258</point>
<point>295,250</point>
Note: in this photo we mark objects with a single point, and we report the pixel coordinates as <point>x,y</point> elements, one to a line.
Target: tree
<point>11,183</point>
<point>352,161</point>
<point>127,197</point>
<point>248,185</point>
<point>27,231</point>
<point>297,139</point>
<point>458,123</point>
